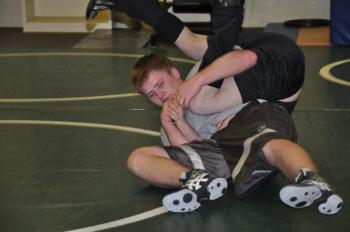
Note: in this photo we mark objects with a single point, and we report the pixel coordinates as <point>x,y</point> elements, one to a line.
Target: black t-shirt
<point>279,71</point>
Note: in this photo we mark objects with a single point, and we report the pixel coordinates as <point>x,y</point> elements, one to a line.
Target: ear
<point>175,72</point>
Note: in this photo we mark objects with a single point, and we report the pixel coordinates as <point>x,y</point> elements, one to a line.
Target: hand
<point>165,114</point>
<point>177,112</point>
<point>187,91</point>
<point>172,111</point>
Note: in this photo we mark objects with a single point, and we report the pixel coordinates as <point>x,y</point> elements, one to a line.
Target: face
<point>160,85</point>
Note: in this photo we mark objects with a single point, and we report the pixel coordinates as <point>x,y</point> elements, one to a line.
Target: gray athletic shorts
<point>235,152</point>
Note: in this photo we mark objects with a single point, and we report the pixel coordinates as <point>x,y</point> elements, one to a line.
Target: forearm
<point>187,130</point>
<point>180,133</point>
<point>212,100</point>
<point>230,64</point>
<point>175,136</point>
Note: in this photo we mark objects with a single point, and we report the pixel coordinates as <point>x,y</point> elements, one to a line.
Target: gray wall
<point>11,13</point>
<point>258,12</point>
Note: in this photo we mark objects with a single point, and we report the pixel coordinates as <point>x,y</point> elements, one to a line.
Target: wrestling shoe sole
<point>303,196</point>
<point>332,206</point>
<point>181,201</point>
<point>186,200</point>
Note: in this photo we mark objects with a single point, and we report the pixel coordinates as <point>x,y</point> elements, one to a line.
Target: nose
<point>160,95</point>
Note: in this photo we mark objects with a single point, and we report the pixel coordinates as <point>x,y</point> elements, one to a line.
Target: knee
<point>135,160</point>
<point>272,145</point>
<point>273,148</point>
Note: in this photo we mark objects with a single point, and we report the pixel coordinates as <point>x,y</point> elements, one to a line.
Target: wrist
<point>198,80</point>
<point>202,76</point>
<point>167,124</point>
<point>180,121</point>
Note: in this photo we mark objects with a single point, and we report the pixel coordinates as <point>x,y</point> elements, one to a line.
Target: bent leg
<point>227,17</point>
<point>288,157</point>
<point>308,188</point>
<point>226,25</point>
<point>168,26</point>
<point>192,44</point>
<point>153,165</point>
<point>149,11</point>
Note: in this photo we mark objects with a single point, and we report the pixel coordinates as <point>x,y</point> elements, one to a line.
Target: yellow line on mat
<point>80,124</point>
<point>326,74</point>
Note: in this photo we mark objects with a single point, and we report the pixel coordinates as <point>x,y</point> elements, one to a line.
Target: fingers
<point>172,104</point>
<point>185,93</point>
<point>171,109</point>
<point>182,100</point>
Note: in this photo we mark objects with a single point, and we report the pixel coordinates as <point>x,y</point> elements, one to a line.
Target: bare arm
<point>211,100</point>
<point>187,130</point>
<point>174,135</point>
<point>175,125</point>
<point>230,64</point>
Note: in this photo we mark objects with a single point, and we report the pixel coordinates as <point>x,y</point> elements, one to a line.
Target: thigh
<point>205,154</point>
<point>153,151</point>
<point>243,139</point>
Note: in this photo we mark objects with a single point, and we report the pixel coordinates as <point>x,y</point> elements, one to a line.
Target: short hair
<point>145,65</point>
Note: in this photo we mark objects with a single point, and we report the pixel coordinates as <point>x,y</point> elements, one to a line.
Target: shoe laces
<point>195,181</point>
<point>308,177</point>
<point>319,182</point>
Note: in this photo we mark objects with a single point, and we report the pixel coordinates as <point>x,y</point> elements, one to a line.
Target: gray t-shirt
<point>203,124</point>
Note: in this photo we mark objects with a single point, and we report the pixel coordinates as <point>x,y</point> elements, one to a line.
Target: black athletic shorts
<point>235,152</point>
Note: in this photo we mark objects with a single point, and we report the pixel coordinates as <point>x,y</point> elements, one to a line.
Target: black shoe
<point>95,6</point>
<point>311,189</point>
<point>227,3</point>
<point>197,186</point>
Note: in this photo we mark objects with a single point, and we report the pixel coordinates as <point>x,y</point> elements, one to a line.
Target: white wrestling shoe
<point>198,186</point>
<point>311,190</point>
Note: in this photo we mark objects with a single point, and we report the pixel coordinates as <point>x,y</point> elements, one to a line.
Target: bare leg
<point>170,28</point>
<point>193,45</point>
<point>308,188</point>
<point>288,157</point>
<point>153,165</point>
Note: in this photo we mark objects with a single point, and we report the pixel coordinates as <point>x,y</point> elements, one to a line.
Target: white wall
<point>11,13</point>
<point>258,12</point>
<point>64,8</point>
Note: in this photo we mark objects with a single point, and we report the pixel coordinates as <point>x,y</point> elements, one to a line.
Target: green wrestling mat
<point>69,120</point>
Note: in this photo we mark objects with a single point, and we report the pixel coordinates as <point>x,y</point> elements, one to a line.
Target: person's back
<point>277,75</point>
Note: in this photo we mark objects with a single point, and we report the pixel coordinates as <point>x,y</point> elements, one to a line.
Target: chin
<point>158,103</point>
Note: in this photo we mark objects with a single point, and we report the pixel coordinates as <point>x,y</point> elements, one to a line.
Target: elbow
<point>195,106</point>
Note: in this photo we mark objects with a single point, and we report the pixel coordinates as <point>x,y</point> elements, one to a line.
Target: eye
<point>160,84</point>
